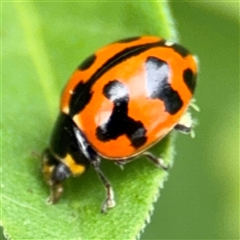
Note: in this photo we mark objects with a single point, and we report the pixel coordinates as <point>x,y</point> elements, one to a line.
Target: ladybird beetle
<point>118,103</point>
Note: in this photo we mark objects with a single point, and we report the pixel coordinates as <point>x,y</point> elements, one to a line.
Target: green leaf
<point>42,43</point>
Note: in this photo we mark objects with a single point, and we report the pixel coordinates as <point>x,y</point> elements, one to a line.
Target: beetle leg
<point>56,191</point>
<point>156,161</point>
<point>182,128</point>
<point>109,202</point>
<point>122,163</point>
<point>185,123</point>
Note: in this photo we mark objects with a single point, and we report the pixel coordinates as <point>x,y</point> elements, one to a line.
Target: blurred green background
<point>201,197</point>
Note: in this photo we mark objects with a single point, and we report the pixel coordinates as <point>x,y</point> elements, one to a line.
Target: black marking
<point>87,63</point>
<point>157,72</point>
<point>180,49</point>
<point>119,123</point>
<point>127,40</point>
<point>64,140</point>
<point>116,91</point>
<point>82,92</point>
<point>157,75</point>
<point>77,103</point>
<point>190,79</point>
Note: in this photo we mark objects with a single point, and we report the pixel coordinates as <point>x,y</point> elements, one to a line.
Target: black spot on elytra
<point>157,77</point>
<point>180,50</point>
<point>81,96</point>
<point>190,79</point>
<point>116,92</point>
<point>87,63</point>
<point>82,93</point>
<point>119,123</point>
<point>127,40</point>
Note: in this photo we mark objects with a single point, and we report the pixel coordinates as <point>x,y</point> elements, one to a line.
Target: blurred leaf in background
<point>201,198</point>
